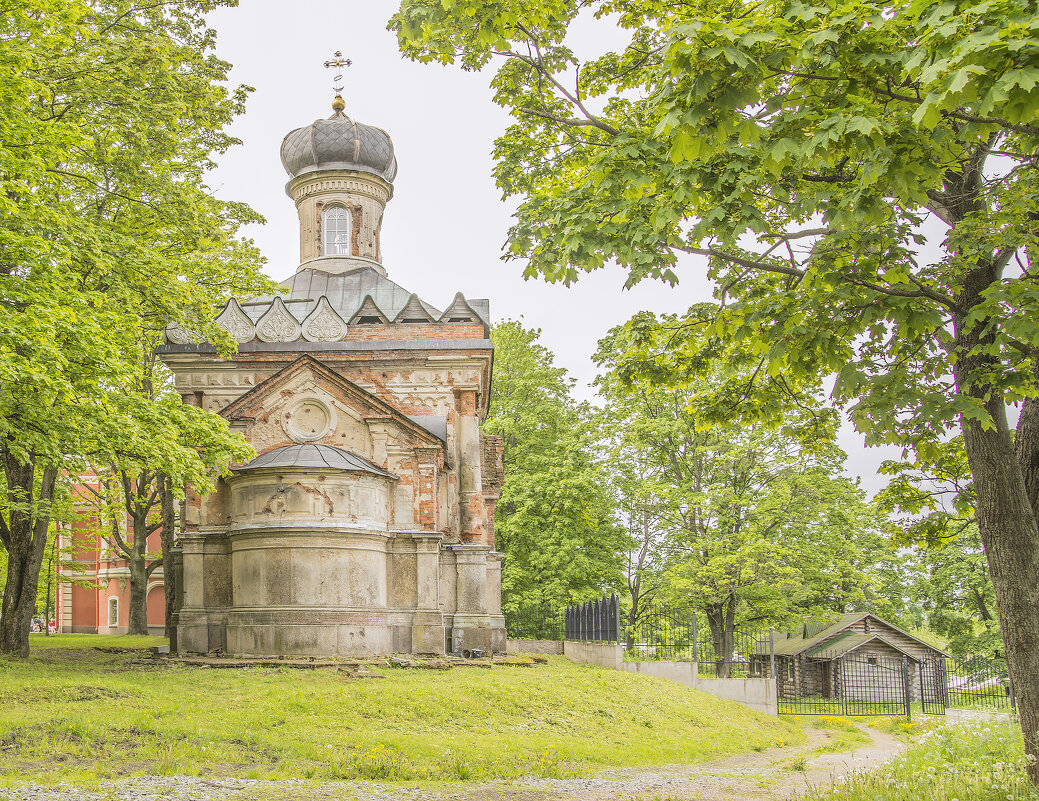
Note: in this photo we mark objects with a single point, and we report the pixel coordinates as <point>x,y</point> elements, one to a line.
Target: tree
<point>958,595</point>
<point>646,559</point>
<point>110,115</point>
<point>138,477</point>
<point>760,526</point>
<point>556,518</point>
<point>862,178</point>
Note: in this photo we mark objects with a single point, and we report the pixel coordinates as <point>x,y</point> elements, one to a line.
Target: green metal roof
<point>817,631</point>
<point>826,638</point>
<point>850,641</point>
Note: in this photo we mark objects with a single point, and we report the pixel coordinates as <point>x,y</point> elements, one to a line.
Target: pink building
<point>93,591</point>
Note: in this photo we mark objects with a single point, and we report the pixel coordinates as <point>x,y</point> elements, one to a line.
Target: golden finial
<point>338,62</point>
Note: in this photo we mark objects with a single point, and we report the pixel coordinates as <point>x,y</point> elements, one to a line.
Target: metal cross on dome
<point>338,62</point>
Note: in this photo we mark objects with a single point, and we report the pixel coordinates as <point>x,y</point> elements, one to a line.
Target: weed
<point>833,722</point>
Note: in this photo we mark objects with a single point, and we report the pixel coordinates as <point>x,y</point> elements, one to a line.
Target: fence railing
<point>871,683</point>
<point>663,633</point>
<point>542,622</point>
<point>735,653</point>
<point>978,682</point>
<point>839,683</point>
<point>594,621</point>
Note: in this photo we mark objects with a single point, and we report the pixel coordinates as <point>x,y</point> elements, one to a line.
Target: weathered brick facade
<point>366,522</point>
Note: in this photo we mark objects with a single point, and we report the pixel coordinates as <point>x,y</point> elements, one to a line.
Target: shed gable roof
<point>849,641</point>
<point>817,633</point>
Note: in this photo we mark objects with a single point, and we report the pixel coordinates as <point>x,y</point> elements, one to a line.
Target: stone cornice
<point>325,182</point>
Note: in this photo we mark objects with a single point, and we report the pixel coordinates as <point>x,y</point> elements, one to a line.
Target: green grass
<point>817,705</point>
<point>77,714</point>
<point>974,761</point>
<point>39,642</point>
<point>842,734</point>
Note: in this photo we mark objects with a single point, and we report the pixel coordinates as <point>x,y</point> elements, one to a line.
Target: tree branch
<point>755,265</point>
<point>572,121</point>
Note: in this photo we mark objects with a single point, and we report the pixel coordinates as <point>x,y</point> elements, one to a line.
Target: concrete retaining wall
<point>604,655</point>
<point>954,716</point>
<point>534,647</point>
<point>757,694</point>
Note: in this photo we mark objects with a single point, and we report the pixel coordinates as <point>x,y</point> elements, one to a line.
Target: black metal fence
<point>541,622</point>
<point>735,653</point>
<point>661,633</point>
<point>594,621</point>
<point>846,684</point>
<point>978,682</point>
<point>871,684</point>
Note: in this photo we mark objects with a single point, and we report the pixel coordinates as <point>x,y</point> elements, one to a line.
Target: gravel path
<point>747,777</point>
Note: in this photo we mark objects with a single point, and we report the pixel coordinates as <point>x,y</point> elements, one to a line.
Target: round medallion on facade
<point>308,420</point>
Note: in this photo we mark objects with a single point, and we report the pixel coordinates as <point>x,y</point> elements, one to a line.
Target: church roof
<point>319,306</point>
<point>346,292</point>
<point>318,457</point>
<point>339,143</point>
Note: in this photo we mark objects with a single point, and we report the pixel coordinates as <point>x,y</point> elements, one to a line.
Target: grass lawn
<point>77,714</point>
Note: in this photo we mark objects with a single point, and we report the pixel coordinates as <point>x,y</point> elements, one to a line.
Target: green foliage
<point>959,597</point>
<point>756,521</point>
<point>108,230</point>
<point>555,519</point>
<point>82,697</point>
<point>801,148</point>
<point>898,587</point>
<point>110,118</point>
<point>863,180</point>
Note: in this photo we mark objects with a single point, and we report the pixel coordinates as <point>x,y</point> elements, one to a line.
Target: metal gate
<point>934,688</point>
<point>844,684</point>
<point>980,682</point>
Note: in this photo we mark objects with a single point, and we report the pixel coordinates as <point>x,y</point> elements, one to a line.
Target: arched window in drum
<point>336,227</point>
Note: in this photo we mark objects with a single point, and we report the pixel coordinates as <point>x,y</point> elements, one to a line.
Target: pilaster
<point>470,494</point>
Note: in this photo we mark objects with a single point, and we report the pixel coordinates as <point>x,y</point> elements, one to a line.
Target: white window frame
<point>336,240</point>
<point>113,604</point>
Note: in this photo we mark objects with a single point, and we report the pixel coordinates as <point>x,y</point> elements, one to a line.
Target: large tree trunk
<point>167,534</point>
<point>138,598</point>
<point>1009,532</point>
<point>139,577</point>
<point>721,619</point>
<point>1026,636</point>
<point>24,535</point>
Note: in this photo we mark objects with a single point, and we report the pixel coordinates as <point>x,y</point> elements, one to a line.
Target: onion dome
<point>339,143</point>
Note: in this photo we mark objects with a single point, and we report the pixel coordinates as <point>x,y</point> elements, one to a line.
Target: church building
<point>365,524</point>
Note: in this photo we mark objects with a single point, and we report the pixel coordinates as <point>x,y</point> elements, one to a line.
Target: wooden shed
<point>857,656</point>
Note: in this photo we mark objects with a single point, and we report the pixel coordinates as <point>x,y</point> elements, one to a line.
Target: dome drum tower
<point>339,164</point>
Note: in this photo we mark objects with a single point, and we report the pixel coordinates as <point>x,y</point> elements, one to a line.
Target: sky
<point>445,226</point>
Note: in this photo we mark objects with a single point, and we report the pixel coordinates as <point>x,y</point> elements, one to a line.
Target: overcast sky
<point>445,226</point>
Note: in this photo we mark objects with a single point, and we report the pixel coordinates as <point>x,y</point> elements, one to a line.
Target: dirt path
<point>746,777</point>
